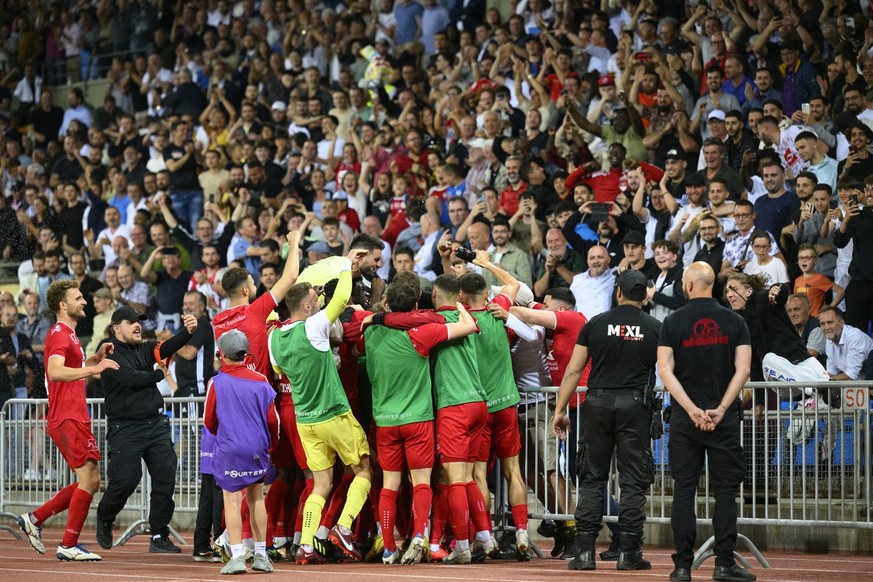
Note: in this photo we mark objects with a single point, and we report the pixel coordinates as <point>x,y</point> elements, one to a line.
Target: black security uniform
<point>623,349</point>
<point>138,430</point>
<point>704,337</point>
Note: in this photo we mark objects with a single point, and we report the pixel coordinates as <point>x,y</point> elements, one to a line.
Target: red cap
<point>606,80</point>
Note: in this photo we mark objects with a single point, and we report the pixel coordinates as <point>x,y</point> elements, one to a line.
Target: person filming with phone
<point>857,227</point>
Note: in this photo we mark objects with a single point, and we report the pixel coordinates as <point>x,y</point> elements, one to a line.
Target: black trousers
<point>210,508</point>
<point>727,468</point>
<point>859,304</point>
<point>615,420</point>
<point>129,444</point>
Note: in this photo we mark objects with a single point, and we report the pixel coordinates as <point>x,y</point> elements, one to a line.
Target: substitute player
<point>325,423</point>
<point>404,418</point>
<point>69,424</point>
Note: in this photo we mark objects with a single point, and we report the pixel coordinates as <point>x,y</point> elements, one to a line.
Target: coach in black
<point>618,414</point>
<point>138,428</point>
<point>704,358</point>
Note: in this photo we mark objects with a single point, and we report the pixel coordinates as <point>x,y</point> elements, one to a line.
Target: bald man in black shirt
<point>618,414</point>
<point>704,358</point>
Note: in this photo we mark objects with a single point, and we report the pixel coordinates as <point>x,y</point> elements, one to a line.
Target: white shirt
<point>788,152</point>
<point>593,294</point>
<point>424,256</point>
<point>849,353</point>
<point>689,248</point>
<point>108,254</point>
<point>773,272</point>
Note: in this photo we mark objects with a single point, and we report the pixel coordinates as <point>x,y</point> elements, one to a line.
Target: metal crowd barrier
<point>808,457</point>
<point>808,461</point>
<point>33,469</point>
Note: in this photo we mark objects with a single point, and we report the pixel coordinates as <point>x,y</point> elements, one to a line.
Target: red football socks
<point>422,497</point>
<point>478,512</point>
<point>275,504</point>
<point>459,512</point>
<point>519,516</point>
<point>80,502</point>
<point>388,516</point>
<point>60,502</point>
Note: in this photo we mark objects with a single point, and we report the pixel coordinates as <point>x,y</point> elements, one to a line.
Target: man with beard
<point>665,130</point>
<point>714,99</point>
<point>738,139</point>
<point>711,248</point>
<point>138,429</point>
<point>194,359</point>
<point>507,256</point>
<point>761,90</point>
<point>774,210</point>
<point>673,180</point>
<point>69,423</point>
<point>508,200</point>
<point>688,218</point>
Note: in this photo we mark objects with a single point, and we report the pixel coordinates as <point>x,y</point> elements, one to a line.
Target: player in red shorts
<point>69,423</point>
<point>501,432</point>
<point>404,418</point>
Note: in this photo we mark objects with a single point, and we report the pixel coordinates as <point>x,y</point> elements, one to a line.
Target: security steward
<point>704,357</point>
<point>138,429</point>
<point>618,416</point>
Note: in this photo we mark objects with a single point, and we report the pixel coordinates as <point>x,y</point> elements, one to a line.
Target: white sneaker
<point>222,544</point>
<point>33,532</point>
<point>521,540</point>
<point>415,551</point>
<point>479,547</point>
<point>77,554</point>
<point>458,556</point>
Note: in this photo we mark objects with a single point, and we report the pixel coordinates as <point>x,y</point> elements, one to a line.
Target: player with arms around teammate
<point>704,358</point>
<point>301,349</point>
<point>618,415</point>
<point>69,424</point>
<point>404,418</point>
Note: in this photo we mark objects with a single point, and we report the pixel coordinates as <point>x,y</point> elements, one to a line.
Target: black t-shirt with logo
<point>704,337</point>
<point>184,178</point>
<point>623,347</point>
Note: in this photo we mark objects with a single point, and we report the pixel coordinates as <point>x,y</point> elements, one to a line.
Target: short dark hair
<point>403,295</point>
<point>263,266</point>
<point>366,242</point>
<point>447,284</point>
<point>404,250</point>
<point>234,280</point>
<point>807,174</point>
<point>667,244</point>
<point>473,284</point>
<point>805,135</point>
<point>57,292</point>
<point>330,221</point>
<point>562,294</point>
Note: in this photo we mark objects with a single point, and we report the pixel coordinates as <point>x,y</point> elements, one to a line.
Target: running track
<point>133,563</point>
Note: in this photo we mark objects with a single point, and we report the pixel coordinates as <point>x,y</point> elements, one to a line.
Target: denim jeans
<point>188,206</point>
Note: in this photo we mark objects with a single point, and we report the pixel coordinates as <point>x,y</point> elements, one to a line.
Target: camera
<point>465,254</point>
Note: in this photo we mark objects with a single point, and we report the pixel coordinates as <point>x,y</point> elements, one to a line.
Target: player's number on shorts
<point>855,398</point>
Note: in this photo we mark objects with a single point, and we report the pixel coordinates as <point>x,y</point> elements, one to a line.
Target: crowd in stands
<point>571,140</point>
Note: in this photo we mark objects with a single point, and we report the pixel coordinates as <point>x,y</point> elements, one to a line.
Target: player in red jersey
<point>562,325</point>
<point>69,423</point>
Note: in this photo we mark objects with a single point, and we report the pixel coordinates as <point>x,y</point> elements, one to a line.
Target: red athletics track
<point>133,563</point>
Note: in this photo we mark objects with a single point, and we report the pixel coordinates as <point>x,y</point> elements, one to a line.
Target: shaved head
<point>697,280</point>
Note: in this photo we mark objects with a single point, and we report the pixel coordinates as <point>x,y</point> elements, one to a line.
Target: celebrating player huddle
<point>354,465</point>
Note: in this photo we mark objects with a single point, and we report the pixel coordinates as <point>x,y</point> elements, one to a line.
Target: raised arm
<point>292,267</point>
<point>510,284</point>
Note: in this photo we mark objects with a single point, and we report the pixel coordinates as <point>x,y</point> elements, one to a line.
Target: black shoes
<point>584,560</point>
<point>632,560</point>
<point>680,575</point>
<point>733,573</point>
<point>104,534</point>
<point>163,546</point>
<point>611,553</point>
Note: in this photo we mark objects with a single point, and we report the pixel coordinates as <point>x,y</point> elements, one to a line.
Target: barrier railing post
<point>4,473</point>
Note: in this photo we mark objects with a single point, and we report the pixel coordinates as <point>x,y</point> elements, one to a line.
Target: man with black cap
<point>675,164</point>
<point>618,416</point>
<point>138,429</point>
<point>799,76</point>
<point>634,243</point>
<point>687,219</point>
